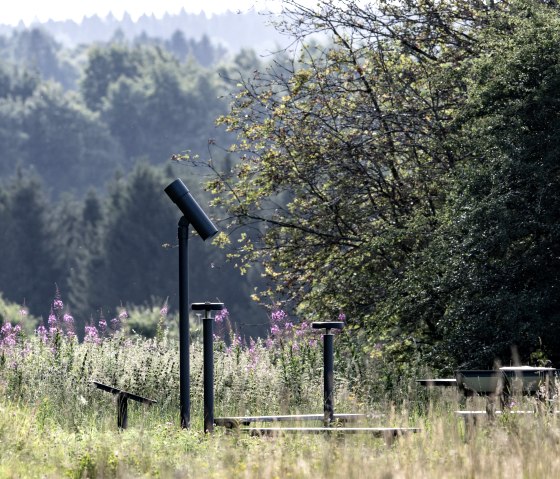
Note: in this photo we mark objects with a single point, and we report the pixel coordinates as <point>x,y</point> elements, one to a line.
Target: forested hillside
<point>232,30</point>
<point>86,140</point>
<point>402,174</point>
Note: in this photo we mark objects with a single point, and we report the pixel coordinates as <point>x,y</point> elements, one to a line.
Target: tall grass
<point>55,423</point>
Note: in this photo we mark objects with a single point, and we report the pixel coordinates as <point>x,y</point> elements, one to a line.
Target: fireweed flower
<point>23,311</point>
<point>52,320</point>
<point>164,309</point>
<point>91,335</point>
<point>275,330</point>
<point>68,319</point>
<point>58,304</point>
<point>42,333</point>
<point>102,325</point>
<point>115,323</point>
<point>9,334</point>
<point>221,316</point>
<point>253,355</point>
<point>123,315</point>
<point>278,316</point>
<point>342,317</point>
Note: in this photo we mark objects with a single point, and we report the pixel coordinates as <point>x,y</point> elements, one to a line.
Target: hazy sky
<point>13,11</point>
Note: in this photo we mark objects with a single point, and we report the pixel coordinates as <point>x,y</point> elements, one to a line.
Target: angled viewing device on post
<point>192,214</point>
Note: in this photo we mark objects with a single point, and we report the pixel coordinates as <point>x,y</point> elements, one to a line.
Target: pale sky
<point>12,11</point>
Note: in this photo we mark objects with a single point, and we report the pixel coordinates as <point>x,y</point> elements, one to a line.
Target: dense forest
<point>401,174</point>
<point>86,140</point>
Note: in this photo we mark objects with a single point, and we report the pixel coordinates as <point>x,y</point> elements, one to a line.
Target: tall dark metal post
<point>192,214</point>
<point>184,333</point>
<point>328,367</point>
<point>328,376</point>
<point>208,346</point>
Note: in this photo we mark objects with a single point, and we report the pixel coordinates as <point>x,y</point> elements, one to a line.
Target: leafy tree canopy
<point>393,175</point>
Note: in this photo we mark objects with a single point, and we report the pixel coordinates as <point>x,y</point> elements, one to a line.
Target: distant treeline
<point>231,30</point>
<point>85,137</point>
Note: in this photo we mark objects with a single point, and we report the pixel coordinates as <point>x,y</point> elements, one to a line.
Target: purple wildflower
<point>91,335</point>
<point>221,316</point>
<point>102,325</point>
<point>9,334</point>
<point>123,315</point>
<point>342,317</point>
<point>42,333</point>
<point>68,319</point>
<point>52,320</point>
<point>58,304</point>
<point>115,323</point>
<point>23,311</point>
<point>254,355</point>
<point>164,309</point>
<point>278,316</point>
<point>274,330</point>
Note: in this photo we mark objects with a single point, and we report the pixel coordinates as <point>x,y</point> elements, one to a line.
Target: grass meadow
<point>55,424</point>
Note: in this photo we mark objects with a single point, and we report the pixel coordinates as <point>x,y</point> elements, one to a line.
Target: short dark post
<point>328,367</point>
<point>208,347</point>
<point>122,411</point>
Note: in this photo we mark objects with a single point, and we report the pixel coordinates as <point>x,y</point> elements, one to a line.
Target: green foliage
<point>24,239</point>
<point>17,314</point>
<point>145,89</point>
<point>403,175</point>
<point>492,271</point>
<point>37,51</point>
<point>342,147</point>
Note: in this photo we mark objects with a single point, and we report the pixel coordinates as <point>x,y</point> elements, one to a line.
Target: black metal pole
<point>184,339</point>
<point>328,375</point>
<point>122,410</point>
<point>208,356</point>
<point>208,339</point>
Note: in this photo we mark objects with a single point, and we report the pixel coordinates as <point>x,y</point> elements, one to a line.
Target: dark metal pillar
<point>328,367</point>
<point>208,333</point>
<point>184,333</point>
<point>328,376</point>
<point>208,346</point>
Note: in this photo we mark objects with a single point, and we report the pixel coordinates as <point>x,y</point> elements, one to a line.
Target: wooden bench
<point>389,434</point>
<point>122,402</point>
<point>238,421</point>
<point>437,382</point>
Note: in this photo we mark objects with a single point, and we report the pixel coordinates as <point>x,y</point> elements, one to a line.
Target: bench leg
<point>122,411</point>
